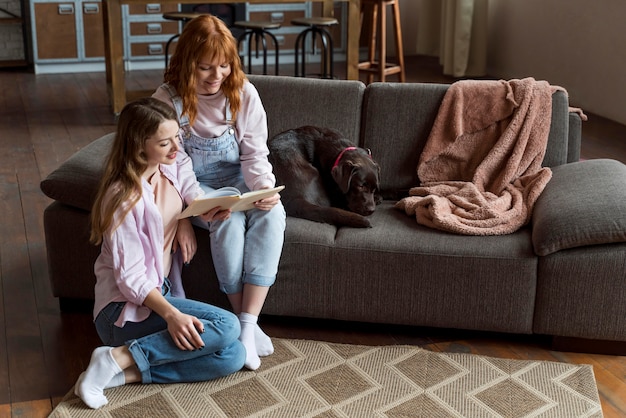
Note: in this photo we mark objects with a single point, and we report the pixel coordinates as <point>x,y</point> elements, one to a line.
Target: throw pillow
<point>583,204</point>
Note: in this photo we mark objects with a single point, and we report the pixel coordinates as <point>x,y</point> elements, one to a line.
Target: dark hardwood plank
<point>10,94</point>
<point>24,350</point>
<point>35,408</point>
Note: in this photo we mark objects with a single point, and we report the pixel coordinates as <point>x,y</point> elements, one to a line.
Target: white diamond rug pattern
<point>326,380</point>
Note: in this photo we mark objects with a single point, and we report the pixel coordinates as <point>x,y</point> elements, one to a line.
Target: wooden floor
<point>43,120</point>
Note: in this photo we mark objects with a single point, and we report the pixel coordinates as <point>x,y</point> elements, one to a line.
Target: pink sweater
<point>250,131</point>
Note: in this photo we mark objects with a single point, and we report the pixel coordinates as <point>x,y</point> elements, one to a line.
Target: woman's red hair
<point>207,37</point>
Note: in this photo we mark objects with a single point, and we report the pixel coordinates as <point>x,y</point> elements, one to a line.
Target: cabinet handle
<point>153,8</point>
<point>154,28</point>
<point>66,9</point>
<point>91,8</point>
<point>155,49</point>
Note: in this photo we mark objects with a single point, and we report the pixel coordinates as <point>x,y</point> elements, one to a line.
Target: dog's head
<point>358,177</point>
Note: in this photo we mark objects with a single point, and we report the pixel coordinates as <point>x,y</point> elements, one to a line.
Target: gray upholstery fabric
<point>416,274</point>
<point>293,102</point>
<point>583,204</point>
<point>396,123</point>
<point>574,136</point>
<point>75,182</point>
<point>70,255</point>
<point>582,293</point>
<point>557,148</point>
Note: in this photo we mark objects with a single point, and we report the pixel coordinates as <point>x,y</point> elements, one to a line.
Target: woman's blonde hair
<point>208,37</point>
<point>120,185</point>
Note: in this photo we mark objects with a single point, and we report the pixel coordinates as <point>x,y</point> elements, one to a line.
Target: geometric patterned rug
<point>326,380</point>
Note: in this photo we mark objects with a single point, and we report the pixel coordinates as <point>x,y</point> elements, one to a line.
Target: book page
<point>231,200</point>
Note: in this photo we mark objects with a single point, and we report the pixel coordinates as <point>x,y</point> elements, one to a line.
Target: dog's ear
<point>342,174</point>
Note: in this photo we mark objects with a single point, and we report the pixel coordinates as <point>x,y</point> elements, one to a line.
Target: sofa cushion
<point>583,204</point>
<point>332,104</point>
<point>397,119</point>
<point>76,181</point>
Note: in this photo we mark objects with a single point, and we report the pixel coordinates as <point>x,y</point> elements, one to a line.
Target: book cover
<point>227,198</point>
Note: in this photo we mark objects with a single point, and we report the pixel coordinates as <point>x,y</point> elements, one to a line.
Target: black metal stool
<point>258,31</point>
<point>181,17</point>
<point>317,26</point>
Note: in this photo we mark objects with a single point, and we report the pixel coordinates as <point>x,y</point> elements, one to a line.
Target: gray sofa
<point>562,275</point>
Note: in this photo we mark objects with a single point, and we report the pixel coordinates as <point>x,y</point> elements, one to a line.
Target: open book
<point>227,198</point>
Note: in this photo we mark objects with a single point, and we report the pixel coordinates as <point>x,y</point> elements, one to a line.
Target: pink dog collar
<point>341,155</point>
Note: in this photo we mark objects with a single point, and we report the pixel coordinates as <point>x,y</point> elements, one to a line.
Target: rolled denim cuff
<point>141,360</point>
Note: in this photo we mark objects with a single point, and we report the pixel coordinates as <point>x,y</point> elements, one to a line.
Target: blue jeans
<point>246,248</point>
<point>156,355</point>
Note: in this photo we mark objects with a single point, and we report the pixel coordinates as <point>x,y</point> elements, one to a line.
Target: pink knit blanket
<point>480,172</point>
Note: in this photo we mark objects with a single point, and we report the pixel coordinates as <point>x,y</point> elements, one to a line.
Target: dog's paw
<point>361,222</point>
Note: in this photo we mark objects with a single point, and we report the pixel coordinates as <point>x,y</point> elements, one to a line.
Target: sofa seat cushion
<point>411,274</point>
<point>76,181</point>
<point>583,204</point>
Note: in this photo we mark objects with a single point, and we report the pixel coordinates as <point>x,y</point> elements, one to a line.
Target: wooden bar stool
<point>258,31</point>
<point>377,18</point>
<point>316,26</point>
<point>181,17</point>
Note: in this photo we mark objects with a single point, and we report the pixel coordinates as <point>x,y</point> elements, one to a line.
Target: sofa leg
<point>583,345</point>
<point>75,305</point>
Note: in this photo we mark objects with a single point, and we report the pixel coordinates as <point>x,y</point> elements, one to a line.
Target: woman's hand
<point>216,214</point>
<point>268,203</point>
<point>185,240</point>
<point>184,329</point>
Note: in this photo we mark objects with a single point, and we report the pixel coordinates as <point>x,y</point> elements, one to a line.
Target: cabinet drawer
<point>283,17</point>
<point>148,49</point>
<point>286,42</point>
<point>151,9</point>
<point>153,28</point>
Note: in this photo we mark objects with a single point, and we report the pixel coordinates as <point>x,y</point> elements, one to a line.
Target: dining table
<point>114,45</point>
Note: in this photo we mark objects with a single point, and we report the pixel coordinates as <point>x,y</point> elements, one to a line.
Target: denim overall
<point>246,248</point>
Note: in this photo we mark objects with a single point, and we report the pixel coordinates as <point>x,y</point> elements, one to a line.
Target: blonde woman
<point>149,336</point>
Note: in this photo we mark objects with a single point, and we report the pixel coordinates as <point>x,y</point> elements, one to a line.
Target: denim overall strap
<point>177,101</point>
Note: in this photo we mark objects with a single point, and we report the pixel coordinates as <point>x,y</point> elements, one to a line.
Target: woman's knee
<point>234,357</point>
<point>225,324</point>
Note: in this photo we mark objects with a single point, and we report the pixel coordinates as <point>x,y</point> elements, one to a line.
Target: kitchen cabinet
<point>68,32</point>
<point>68,36</point>
<point>146,33</point>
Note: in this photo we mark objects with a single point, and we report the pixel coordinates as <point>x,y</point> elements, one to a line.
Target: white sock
<point>248,326</point>
<point>264,346</point>
<point>117,380</point>
<point>101,370</point>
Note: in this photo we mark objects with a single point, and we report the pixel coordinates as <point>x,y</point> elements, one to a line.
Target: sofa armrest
<point>583,204</point>
<point>76,181</point>
<point>574,137</point>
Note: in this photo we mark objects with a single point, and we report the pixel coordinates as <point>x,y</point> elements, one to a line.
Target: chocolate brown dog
<point>327,179</point>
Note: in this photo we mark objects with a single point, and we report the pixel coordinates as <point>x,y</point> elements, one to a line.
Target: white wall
<point>577,44</point>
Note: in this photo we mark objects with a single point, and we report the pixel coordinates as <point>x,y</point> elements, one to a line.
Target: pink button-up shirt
<point>130,264</point>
